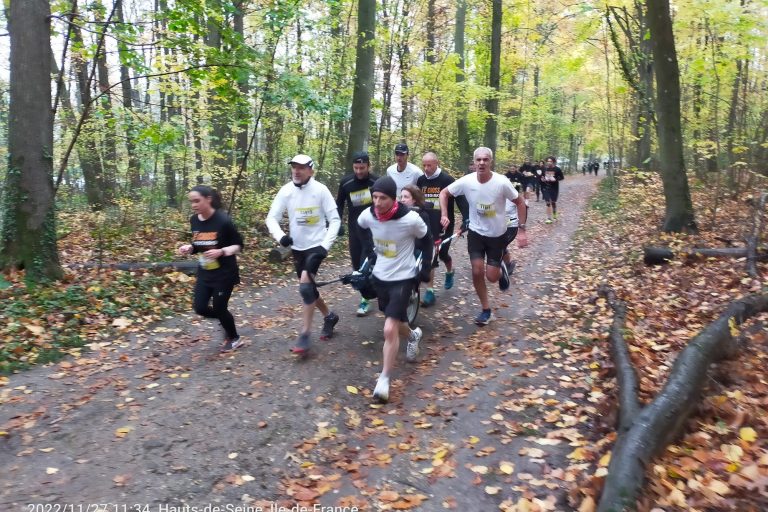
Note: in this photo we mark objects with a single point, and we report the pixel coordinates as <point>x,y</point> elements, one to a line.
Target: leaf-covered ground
<point>517,416</point>
<point>721,463</point>
<point>96,306</point>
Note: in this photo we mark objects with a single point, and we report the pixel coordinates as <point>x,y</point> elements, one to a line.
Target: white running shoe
<point>412,349</point>
<point>381,392</point>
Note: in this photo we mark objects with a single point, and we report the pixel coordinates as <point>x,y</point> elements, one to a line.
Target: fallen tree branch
<point>188,267</point>
<point>754,239</point>
<point>626,377</point>
<point>663,419</point>
<point>661,255</point>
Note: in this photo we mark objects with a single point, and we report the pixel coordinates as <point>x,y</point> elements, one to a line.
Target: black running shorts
<point>550,194</point>
<point>300,260</point>
<point>393,297</point>
<point>489,249</point>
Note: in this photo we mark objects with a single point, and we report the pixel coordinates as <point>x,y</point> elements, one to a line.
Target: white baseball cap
<point>302,160</point>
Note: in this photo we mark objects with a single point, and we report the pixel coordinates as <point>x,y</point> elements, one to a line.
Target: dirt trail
<point>166,420</point>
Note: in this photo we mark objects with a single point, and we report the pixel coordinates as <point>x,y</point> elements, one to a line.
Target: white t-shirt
<point>487,202</point>
<point>309,209</point>
<point>394,241</point>
<point>408,176</point>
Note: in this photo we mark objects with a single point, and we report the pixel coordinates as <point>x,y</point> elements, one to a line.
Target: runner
<point>487,192</point>
<point>412,197</point>
<point>403,172</point>
<point>550,187</point>
<point>309,205</point>
<point>528,170</point>
<point>431,184</point>
<point>354,190</point>
<point>397,232</point>
<point>217,240</point>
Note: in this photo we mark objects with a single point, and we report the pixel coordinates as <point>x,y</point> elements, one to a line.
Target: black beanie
<point>385,185</point>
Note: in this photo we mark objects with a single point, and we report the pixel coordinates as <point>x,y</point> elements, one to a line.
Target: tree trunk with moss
<point>29,223</point>
<point>679,207</point>
<point>362,97</point>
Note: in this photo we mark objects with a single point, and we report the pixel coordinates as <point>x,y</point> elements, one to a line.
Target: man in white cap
<point>402,171</point>
<point>310,207</point>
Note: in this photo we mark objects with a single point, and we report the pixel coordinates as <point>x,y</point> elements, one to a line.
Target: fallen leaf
<point>747,434</point>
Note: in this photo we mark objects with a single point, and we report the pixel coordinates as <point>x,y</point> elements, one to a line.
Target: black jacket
<point>348,186</point>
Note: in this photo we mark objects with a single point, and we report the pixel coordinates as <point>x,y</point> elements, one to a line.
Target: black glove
<point>465,225</point>
<point>342,231</point>
<point>347,279</point>
<point>425,274</point>
<point>286,241</point>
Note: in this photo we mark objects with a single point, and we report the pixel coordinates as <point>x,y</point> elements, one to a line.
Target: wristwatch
<point>521,226</point>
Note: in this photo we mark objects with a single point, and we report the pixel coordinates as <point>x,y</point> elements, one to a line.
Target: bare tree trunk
<point>492,103</point>
<point>386,90</point>
<point>241,137</point>
<point>462,130</point>
<point>28,231</point>
<point>679,214</point>
<point>220,132</point>
<point>430,50</point>
<point>134,164</point>
<point>364,78</point>
<point>86,147</point>
<point>107,124</point>
<point>404,57</point>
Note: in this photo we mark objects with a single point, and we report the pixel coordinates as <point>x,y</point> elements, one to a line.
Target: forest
<point>111,110</point>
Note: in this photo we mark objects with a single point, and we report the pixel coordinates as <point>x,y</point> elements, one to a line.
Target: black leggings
<point>220,294</point>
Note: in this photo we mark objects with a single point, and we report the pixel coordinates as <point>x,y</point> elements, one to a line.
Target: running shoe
<point>232,344</point>
<point>548,221</point>
<point>429,298</point>
<point>412,350</point>
<point>302,344</point>
<point>448,280</point>
<point>484,317</point>
<point>554,215</point>
<point>504,279</point>
<point>365,306</point>
<point>329,322</point>
<point>381,392</point>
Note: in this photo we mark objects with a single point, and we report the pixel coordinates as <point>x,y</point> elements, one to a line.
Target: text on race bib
<point>360,197</point>
<point>386,248</point>
<point>308,216</point>
<point>485,210</point>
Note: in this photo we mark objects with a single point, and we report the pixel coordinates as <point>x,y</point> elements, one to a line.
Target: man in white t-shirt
<point>403,172</point>
<point>487,193</point>
<point>310,207</point>
<point>397,231</point>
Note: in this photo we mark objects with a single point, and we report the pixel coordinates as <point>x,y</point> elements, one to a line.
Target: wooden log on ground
<point>662,420</point>
<point>626,377</point>
<point>186,266</point>
<point>661,255</point>
<point>279,254</point>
